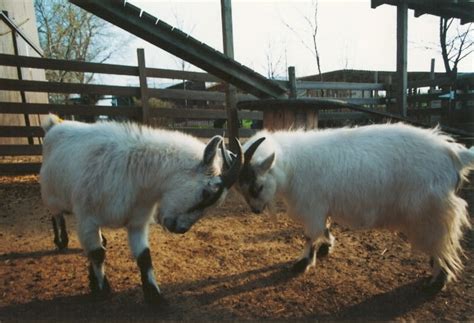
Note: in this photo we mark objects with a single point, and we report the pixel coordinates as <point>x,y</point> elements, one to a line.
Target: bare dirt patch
<point>230,265</point>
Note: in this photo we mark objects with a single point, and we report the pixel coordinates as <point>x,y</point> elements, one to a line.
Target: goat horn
<point>230,176</point>
<point>251,150</point>
<point>226,156</point>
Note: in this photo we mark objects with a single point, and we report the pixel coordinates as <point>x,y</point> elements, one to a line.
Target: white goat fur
<point>391,176</point>
<point>114,175</point>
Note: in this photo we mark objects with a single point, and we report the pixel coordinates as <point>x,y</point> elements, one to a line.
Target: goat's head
<point>194,190</point>
<point>256,182</point>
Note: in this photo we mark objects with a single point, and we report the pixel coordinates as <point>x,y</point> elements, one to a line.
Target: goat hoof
<point>61,245</point>
<point>154,297</point>
<point>300,266</point>
<point>323,250</point>
<point>437,284</point>
<point>102,293</point>
<point>94,285</point>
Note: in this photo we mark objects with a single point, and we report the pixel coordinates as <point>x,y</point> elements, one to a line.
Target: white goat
<point>113,174</point>
<point>391,176</point>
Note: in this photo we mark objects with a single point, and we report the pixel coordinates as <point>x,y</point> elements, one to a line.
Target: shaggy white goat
<point>114,175</point>
<point>390,176</point>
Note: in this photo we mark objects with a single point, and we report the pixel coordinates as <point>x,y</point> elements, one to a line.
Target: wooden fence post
<point>292,82</point>
<point>143,86</point>
<point>231,91</point>
<point>432,77</point>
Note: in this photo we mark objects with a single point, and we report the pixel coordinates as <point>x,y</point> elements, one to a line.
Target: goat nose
<point>256,210</point>
<point>170,224</point>
<point>180,229</point>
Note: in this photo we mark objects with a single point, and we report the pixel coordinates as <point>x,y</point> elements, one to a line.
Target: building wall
<point>23,15</point>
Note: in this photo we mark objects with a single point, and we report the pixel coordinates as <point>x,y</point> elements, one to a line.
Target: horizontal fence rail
<point>69,109</point>
<point>194,111</point>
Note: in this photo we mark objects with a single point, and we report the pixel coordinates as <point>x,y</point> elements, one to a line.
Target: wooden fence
<point>210,102</point>
<point>141,112</point>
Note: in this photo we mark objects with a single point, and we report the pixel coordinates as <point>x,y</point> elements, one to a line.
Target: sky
<point>351,35</point>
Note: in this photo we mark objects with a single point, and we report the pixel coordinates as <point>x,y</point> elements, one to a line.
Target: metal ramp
<point>180,44</point>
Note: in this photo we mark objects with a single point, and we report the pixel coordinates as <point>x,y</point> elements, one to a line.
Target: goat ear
<point>265,165</point>
<point>210,151</point>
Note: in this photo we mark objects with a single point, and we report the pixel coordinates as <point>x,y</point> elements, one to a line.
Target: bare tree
<point>312,46</point>
<point>70,33</point>
<point>183,65</point>
<point>276,62</point>
<point>180,24</point>
<point>456,47</point>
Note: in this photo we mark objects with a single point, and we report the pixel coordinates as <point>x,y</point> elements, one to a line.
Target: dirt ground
<point>230,265</point>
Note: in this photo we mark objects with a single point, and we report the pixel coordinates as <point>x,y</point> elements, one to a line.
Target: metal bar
<point>159,33</point>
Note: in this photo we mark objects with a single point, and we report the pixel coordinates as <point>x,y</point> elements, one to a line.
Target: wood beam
<point>157,32</point>
<point>231,91</point>
<point>402,44</point>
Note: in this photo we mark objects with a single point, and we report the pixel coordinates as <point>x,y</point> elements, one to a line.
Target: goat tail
<point>51,122</point>
<point>450,251</point>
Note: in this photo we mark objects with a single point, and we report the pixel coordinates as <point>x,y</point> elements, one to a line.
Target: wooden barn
<point>19,36</point>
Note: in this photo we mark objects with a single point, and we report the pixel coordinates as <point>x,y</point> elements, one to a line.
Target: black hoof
<point>61,244</point>
<point>323,250</point>
<point>153,297</point>
<point>300,266</point>
<point>96,291</point>
<point>438,284</point>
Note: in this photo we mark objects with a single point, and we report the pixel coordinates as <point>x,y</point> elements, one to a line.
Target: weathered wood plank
<point>210,132</point>
<point>21,131</point>
<point>20,168</point>
<point>144,95</point>
<point>20,150</point>
<point>181,75</point>
<point>67,65</point>
<point>310,85</point>
<point>202,114</point>
<point>63,109</point>
<point>101,68</point>
<point>187,94</point>
<point>56,87</point>
<point>289,117</point>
